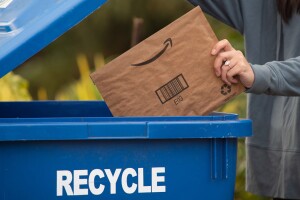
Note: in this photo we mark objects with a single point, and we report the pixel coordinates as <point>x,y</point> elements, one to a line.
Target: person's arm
<point>277,78</point>
<point>280,78</point>
<point>227,11</point>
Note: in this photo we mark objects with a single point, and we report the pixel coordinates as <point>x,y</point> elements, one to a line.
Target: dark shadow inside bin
<point>85,109</point>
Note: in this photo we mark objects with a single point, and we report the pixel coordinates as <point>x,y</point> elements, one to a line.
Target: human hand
<point>231,65</point>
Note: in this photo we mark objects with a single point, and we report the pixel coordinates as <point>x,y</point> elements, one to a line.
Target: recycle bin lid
<point>27,26</point>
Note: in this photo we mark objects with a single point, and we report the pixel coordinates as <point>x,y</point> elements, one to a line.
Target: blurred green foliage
<point>82,89</point>
<point>108,30</point>
<point>61,71</point>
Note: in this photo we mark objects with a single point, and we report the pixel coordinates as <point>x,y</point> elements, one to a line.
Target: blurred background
<point>61,71</point>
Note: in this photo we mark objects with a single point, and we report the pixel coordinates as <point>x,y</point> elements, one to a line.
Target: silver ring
<point>227,63</point>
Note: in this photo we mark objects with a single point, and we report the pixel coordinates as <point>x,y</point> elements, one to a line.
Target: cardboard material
<point>169,73</point>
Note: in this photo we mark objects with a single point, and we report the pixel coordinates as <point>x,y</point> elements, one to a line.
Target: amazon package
<point>168,74</point>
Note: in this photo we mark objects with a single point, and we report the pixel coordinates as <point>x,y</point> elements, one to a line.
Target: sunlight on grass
<point>14,88</point>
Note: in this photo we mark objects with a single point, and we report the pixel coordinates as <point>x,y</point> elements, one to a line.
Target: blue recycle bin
<point>77,150</point>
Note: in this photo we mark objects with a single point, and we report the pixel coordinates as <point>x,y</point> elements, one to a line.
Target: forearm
<point>280,78</point>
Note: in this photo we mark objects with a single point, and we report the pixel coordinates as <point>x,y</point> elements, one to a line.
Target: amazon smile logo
<point>168,43</point>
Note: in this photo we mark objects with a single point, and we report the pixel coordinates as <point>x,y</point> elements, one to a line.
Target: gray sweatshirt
<point>273,48</point>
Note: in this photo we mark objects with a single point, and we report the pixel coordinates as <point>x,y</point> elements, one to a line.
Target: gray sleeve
<point>227,11</point>
<point>280,78</point>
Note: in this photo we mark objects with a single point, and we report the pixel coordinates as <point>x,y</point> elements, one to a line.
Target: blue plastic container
<point>77,150</point>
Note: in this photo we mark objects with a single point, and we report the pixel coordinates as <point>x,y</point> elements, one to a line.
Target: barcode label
<point>171,89</point>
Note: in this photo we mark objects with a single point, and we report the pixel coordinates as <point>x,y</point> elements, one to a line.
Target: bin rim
<point>85,127</point>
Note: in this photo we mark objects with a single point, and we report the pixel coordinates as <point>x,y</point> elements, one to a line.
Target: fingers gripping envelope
<point>169,73</point>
